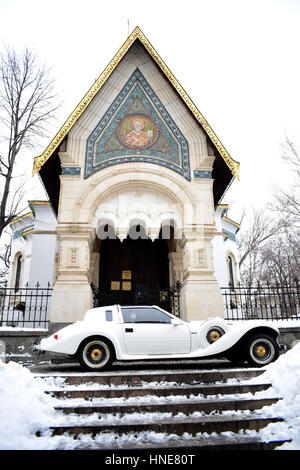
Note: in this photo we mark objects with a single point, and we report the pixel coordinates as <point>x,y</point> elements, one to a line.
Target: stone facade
<point>136,153</point>
<point>123,186</point>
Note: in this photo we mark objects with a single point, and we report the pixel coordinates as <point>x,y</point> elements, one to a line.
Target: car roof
<point>138,306</point>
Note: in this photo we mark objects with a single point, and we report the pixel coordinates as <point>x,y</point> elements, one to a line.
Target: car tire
<point>261,349</point>
<point>95,354</point>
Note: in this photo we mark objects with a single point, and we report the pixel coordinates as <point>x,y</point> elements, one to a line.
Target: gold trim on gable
<point>27,232</point>
<point>231,221</point>
<point>28,214</point>
<point>67,126</point>
<point>39,203</point>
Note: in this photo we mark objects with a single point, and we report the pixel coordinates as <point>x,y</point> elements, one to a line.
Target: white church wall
<point>225,246</point>
<point>219,252</point>
<point>34,238</point>
<point>43,246</point>
<point>20,246</point>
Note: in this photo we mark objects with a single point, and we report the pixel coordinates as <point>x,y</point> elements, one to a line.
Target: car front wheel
<point>261,350</point>
<point>95,354</point>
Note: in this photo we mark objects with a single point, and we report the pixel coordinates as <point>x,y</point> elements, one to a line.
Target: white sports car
<point>148,332</point>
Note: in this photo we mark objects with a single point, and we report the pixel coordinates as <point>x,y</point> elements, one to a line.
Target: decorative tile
<point>137,127</point>
<point>199,174</point>
<point>71,171</point>
<point>19,233</point>
<point>230,235</point>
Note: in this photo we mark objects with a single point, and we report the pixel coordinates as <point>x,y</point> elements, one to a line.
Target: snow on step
<point>90,407</point>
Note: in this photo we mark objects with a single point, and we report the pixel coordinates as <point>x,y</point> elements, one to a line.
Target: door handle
<point>128,330</point>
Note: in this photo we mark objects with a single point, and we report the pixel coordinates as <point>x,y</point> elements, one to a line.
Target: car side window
<point>144,315</point>
<point>108,315</point>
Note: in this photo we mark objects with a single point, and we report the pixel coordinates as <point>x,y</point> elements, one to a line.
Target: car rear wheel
<point>95,354</point>
<point>261,350</point>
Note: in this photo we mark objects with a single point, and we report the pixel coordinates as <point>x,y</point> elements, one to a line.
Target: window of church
<point>18,272</point>
<point>231,271</point>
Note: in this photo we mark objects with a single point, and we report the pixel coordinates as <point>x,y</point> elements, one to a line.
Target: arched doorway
<point>134,271</point>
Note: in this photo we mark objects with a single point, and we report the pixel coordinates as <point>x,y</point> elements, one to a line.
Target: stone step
<point>186,407</point>
<point>165,364</point>
<point>205,391</point>
<point>135,378</point>
<point>157,452</point>
<point>22,359</point>
<point>163,391</point>
<point>206,424</point>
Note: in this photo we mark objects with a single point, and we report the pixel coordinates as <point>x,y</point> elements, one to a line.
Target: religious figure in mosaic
<point>138,131</point>
<point>136,127</point>
<point>137,137</point>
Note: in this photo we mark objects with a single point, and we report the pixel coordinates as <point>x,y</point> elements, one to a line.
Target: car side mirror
<point>175,322</point>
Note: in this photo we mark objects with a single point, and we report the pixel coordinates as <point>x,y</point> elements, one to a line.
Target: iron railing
<point>262,302</point>
<point>167,298</point>
<point>25,307</point>
<point>28,307</point>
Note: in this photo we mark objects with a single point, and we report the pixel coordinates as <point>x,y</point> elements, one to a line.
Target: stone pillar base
<point>201,300</point>
<point>70,301</point>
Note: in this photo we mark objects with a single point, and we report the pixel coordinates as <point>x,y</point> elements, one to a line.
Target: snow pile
<point>25,408</point>
<point>284,375</point>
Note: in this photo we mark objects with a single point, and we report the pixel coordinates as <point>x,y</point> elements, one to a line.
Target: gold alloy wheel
<point>214,336</point>
<point>96,354</point>
<point>261,351</point>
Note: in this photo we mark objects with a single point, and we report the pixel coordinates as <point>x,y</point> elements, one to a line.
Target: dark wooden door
<point>129,269</point>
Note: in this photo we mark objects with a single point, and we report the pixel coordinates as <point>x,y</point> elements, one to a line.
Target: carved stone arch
<point>174,222</point>
<point>138,226</point>
<point>106,227</point>
<point>91,198</point>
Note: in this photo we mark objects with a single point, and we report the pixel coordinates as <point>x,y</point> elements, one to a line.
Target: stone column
<point>200,294</point>
<point>72,294</point>
<point>175,267</point>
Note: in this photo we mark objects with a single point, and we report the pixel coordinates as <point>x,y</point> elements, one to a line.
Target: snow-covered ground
<point>26,408</point>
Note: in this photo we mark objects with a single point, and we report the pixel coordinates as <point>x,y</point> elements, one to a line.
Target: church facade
<point>135,178</point>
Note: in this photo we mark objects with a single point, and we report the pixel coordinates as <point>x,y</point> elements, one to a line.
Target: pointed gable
<point>160,141</point>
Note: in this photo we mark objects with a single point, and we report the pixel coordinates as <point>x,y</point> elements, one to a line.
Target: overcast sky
<point>238,60</point>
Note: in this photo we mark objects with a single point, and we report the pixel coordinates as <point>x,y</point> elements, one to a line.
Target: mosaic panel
<point>137,127</point>
<point>202,174</point>
<point>231,236</point>
<point>19,233</point>
<point>71,171</point>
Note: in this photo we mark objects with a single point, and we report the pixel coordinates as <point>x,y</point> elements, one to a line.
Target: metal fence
<point>168,298</point>
<point>262,302</point>
<point>26,307</point>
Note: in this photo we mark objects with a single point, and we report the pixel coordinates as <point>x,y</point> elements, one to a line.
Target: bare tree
<point>260,228</point>
<point>280,259</point>
<point>5,252</point>
<point>269,241</point>
<point>287,201</point>
<point>26,107</point>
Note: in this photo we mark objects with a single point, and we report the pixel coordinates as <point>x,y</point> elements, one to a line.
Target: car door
<point>148,330</point>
